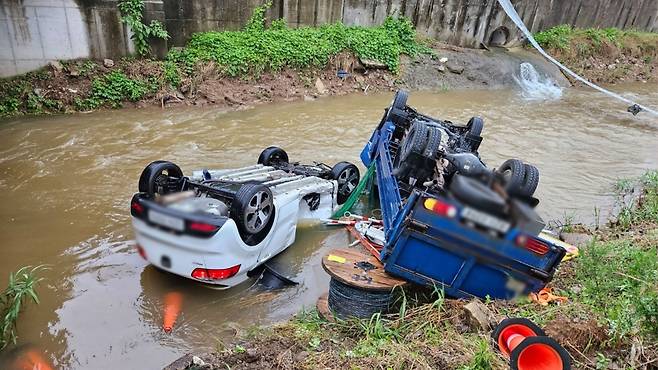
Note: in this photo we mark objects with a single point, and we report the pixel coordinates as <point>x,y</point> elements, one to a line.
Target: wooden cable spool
<point>359,286</point>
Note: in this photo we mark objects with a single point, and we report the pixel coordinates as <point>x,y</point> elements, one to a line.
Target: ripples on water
<point>66,182</point>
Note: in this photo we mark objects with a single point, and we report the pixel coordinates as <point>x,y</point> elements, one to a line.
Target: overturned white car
<point>217,226</point>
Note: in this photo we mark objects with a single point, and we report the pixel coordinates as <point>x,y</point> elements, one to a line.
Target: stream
<point>67,180</point>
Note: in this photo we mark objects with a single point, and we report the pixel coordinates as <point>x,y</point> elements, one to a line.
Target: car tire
<point>433,142</point>
<point>252,208</point>
<point>477,195</point>
<point>273,156</point>
<point>513,171</point>
<point>347,176</point>
<point>530,181</point>
<point>156,178</point>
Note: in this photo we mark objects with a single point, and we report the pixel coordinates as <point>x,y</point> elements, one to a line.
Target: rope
<point>634,107</point>
<point>346,301</point>
<point>356,194</point>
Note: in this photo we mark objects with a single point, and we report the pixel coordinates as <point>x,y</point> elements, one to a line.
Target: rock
<point>180,364</point>
<point>38,92</point>
<point>251,355</point>
<point>576,239</point>
<point>56,66</point>
<point>301,356</point>
<point>443,60</point>
<point>479,317</point>
<point>108,63</point>
<point>372,64</point>
<point>441,68</point>
<point>319,85</point>
<point>197,361</point>
<point>454,68</point>
<point>470,78</point>
<point>612,66</point>
<point>360,79</point>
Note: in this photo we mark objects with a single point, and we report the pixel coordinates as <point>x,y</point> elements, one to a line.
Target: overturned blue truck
<point>449,220</point>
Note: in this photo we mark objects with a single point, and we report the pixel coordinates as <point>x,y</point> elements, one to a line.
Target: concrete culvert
<point>499,37</point>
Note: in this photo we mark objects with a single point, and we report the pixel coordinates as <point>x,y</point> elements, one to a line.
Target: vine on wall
<point>132,15</point>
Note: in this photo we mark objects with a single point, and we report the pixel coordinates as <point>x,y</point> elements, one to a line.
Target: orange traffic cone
<point>527,346</point>
<point>172,306</point>
<point>32,360</point>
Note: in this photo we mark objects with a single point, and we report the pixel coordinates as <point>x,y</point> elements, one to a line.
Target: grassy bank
<point>607,55</point>
<point>255,51</point>
<point>609,321</point>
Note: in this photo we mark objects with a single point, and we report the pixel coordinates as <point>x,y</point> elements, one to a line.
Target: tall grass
<point>21,287</point>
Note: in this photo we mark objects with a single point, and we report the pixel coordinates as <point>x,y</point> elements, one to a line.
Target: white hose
<point>514,16</point>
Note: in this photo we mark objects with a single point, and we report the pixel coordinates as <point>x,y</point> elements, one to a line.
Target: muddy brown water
<point>66,182</point>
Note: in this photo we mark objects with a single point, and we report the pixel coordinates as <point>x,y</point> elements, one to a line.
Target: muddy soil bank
<point>65,87</point>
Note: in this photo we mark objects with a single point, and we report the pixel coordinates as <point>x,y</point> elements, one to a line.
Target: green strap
<point>356,194</point>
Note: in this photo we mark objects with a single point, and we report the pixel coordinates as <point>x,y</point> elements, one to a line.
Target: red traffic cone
<point>527,346</point>
<point>32,360</point>
<point>172,306</point>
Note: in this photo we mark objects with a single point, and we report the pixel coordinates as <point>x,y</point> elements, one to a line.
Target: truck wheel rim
<point>258,212</point>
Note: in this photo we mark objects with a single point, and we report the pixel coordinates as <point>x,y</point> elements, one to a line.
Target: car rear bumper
<point>182,254</point>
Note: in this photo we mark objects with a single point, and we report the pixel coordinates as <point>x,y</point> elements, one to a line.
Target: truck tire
<point>400,99</point>
<point>474,133</point>
<point>513,171</point>
<point>530,181</point>
<point>414,142</point>
<point>252,209</point>
<point>475,126</point>
<point>272,156</point>
<point>157,178</point>
<point>433,142</point>
<point>347,176</point>
<point>396,110</point>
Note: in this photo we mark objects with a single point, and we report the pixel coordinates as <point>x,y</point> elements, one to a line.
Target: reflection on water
<point>66,182</point>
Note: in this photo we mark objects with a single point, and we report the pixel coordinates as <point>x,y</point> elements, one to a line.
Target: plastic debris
<point>546,296</point>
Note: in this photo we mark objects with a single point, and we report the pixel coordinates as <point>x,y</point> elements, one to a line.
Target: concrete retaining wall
<point>33,32</point>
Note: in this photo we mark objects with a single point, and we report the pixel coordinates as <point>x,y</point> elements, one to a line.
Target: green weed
<point>619,281</point>
<point>114,88</point>
<point>637,200</point>
<point>557,37</point>
<point>21,286</point>
<point>257,48</point>
<point>483,358</point>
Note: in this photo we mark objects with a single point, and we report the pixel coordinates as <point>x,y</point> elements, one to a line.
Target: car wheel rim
<point>258,212</point>
<point>347,181</point>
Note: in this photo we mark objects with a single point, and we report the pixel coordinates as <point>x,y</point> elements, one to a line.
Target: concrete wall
<point>460,22</point>
<point>33,32</point>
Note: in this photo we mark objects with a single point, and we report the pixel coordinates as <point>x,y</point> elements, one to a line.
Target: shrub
<point>258,48</point>
<point>114,88</point>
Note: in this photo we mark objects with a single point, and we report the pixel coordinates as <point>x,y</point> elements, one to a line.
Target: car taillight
<point>532,244</point>
<point>440,208</point>
<point>215,274</point>
<point>202,227</point>
<point>141,251</point>
<point>137,208</point>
